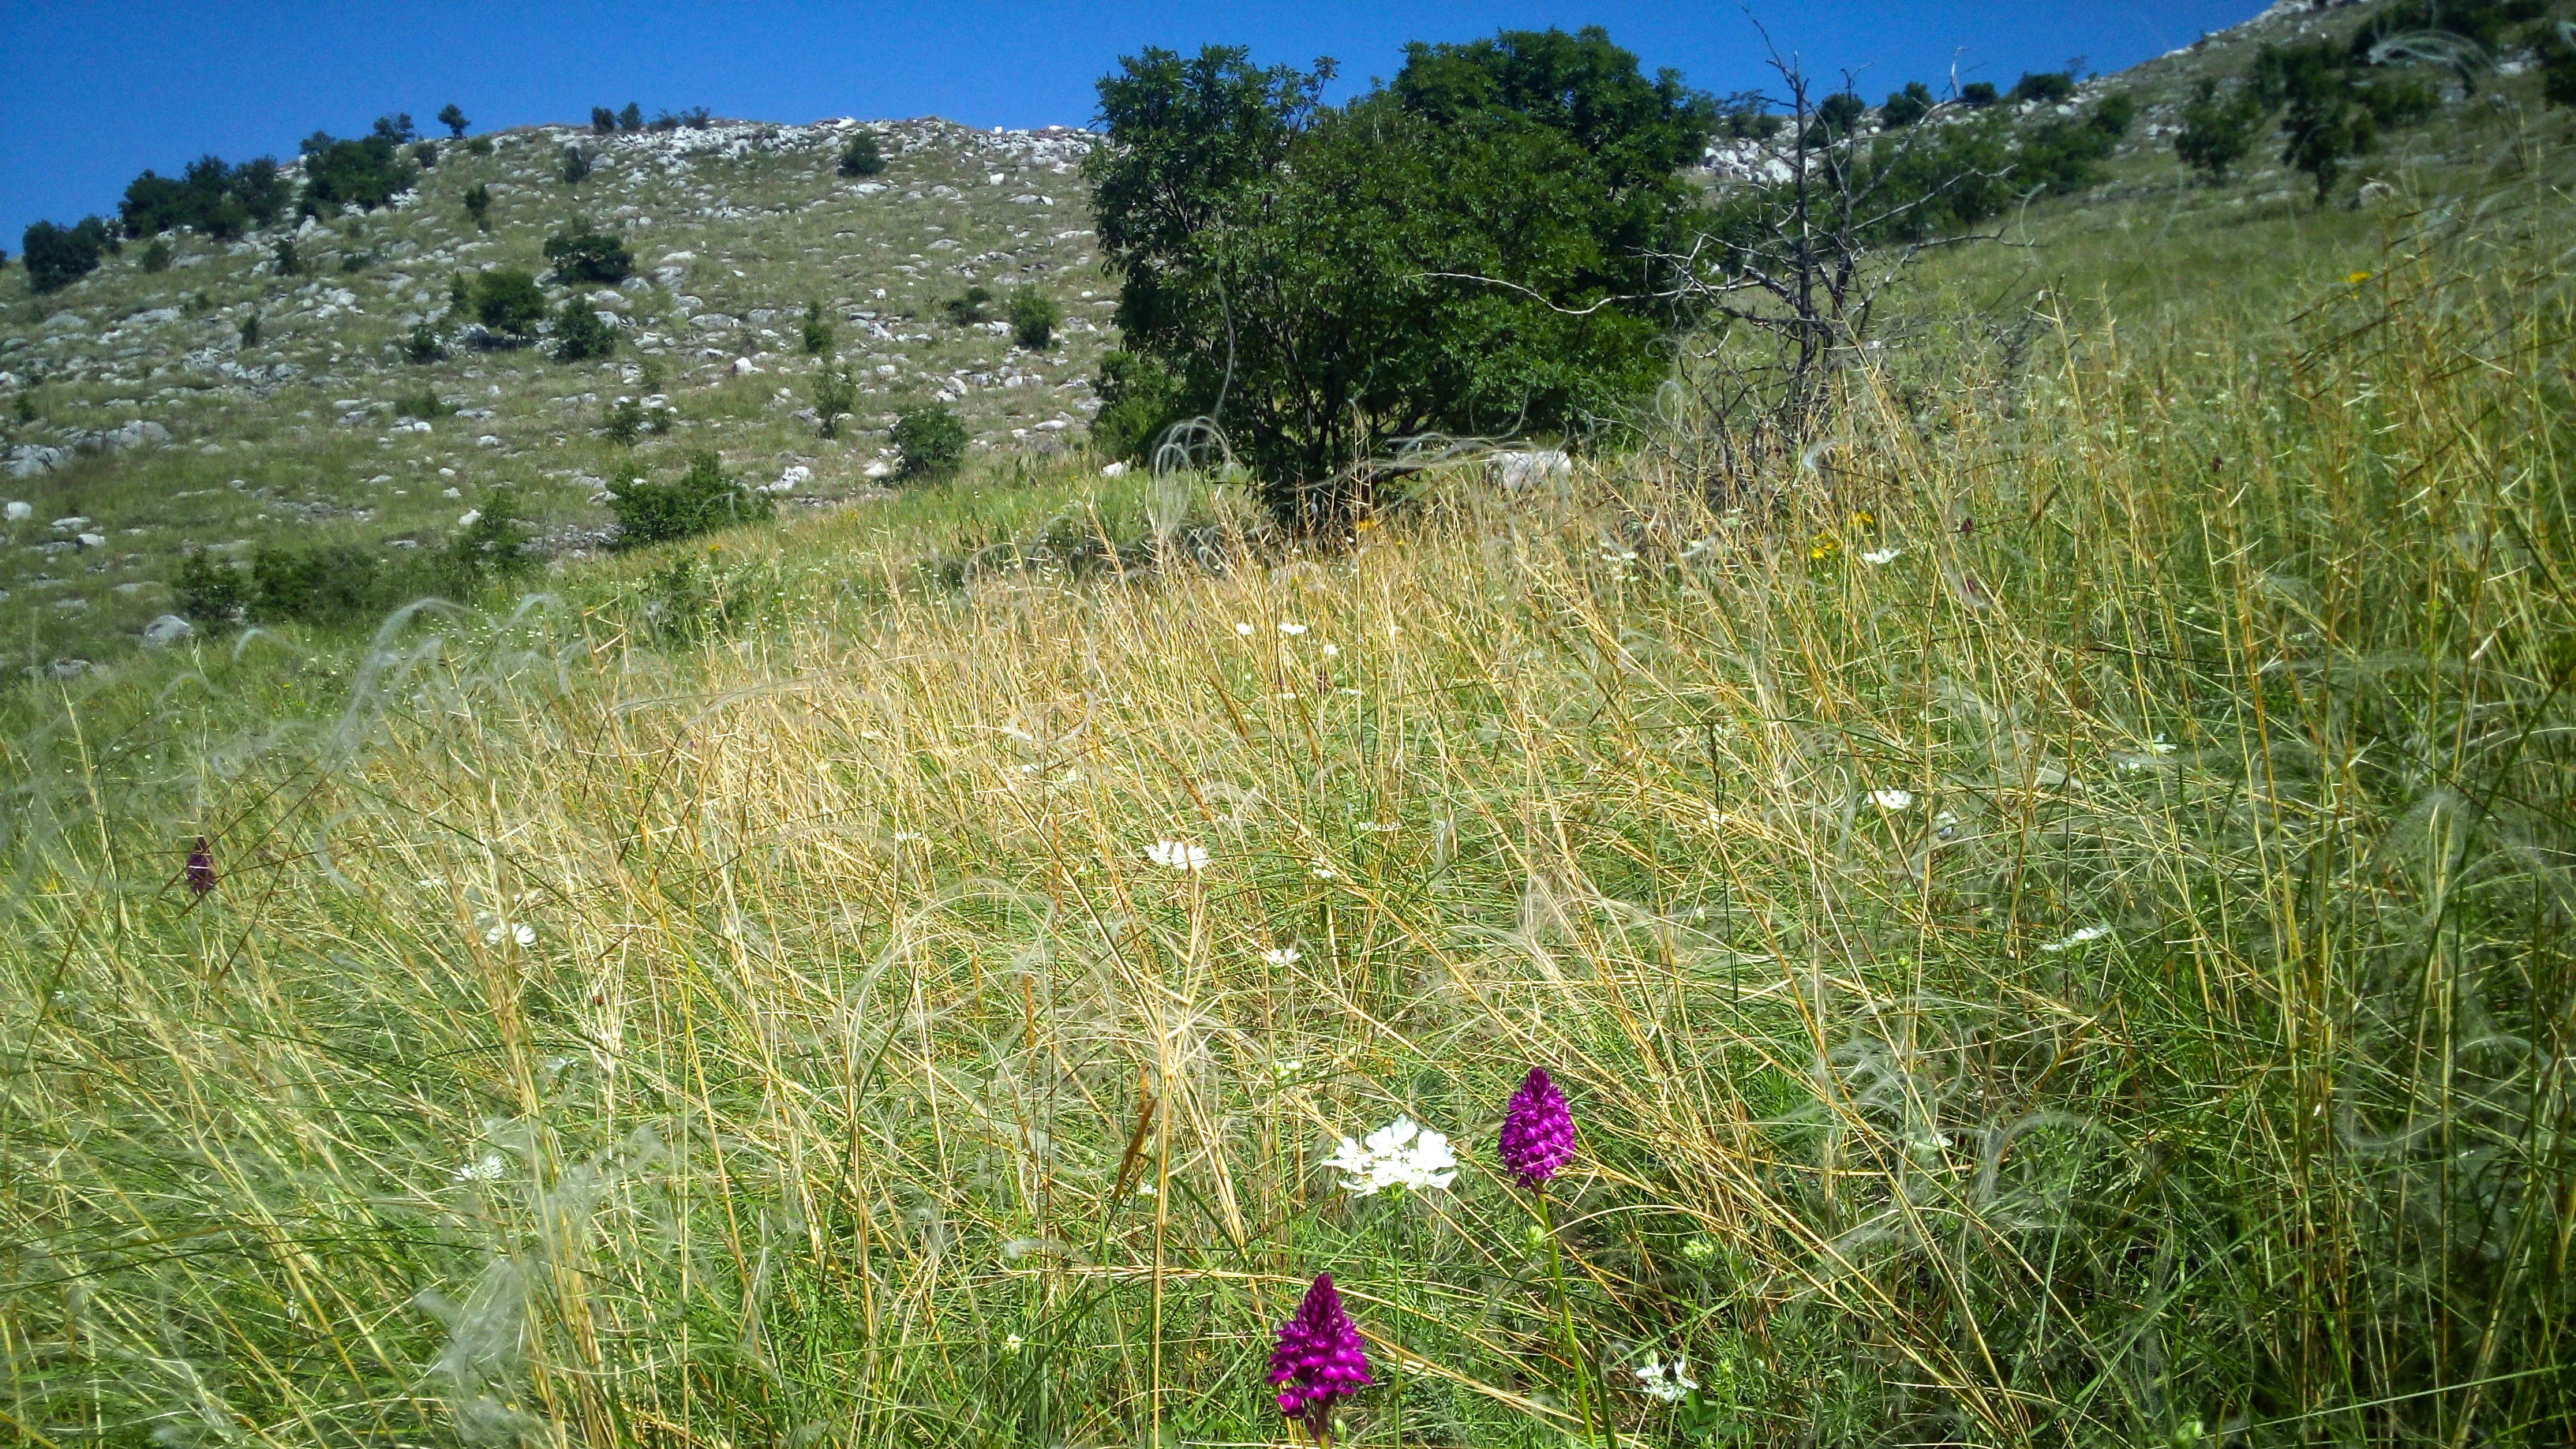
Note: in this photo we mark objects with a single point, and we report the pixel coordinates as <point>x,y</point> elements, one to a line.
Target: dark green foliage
<point>1463,250</point>
<point>424,344</point>
<point>284,259</point>
<point>1836,116</point>
<point>495,543</point>
<point>367,172</point>
<point>218,200</point>
<point>2114,113</point>
<point>250,330</point>
<point>2217,131</point>
<point>508,300</point>
<point>631,118</point>
<point>2046,86</point>
<point>603,121</point>
<point>1977,95</point>
<point>1138,400</point>
<point>817,330</point>
<point>576,165</point>
<point>396,128</point>
<point>2555,45</point>
<point>1904,108</point>
<point>2063,156</point>
<point>1034,318</point>
<point>589,256</point>
<point>862,157</point>
<point>423,404</point>
<point>356,261</point>
<point>1743,117</point>
<point>657,421</point>
<point>206,591</point>
<point>695,117</point>
<point>967,308</point>
<point>479,146</point>
<point>156,257</point>
<point>460,295</point>
<point>625,422</point>
<point>57,256</point>
<point>318,583</point>
<point>425,154</point>
<point>2487,23</point>
<point>454,120</point>
<point>1924,182</point>
<point>478,205</point>
<point>932,440</point>
<point>834,391</point>
<point>24,410</point>
<point>581,334</point>
<point>701,499</point>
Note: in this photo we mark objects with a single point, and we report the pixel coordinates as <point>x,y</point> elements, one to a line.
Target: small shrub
<point>319,583</point>
<point>1745,116</point>
<point>478,205</point>
<point>2114,113</point>
<point>649,374</point>
<point>931,439</point>
<point>1904,108</point>
<point>284,259</point>
<point>818,330</point>
<point>1138,400</point>
<point>207,591</point>
<point>657,421</point>
<point>454,120</point>
<point>57,256</point>
<point>367,172</point>
<point>495,543</point>
<point>156,257</point>
<point>1977,95</point>
<point>967,309</point>
<point>581,333</point>
<point>356,261</point>
<point>625,422</point>
<point>603,121</point>
<point>631,118</point>
<point>2047,87</point>
<point>700,499</point>
<point>862,156</point>
<point>424,345</point>
<point>508,301</point>
<point>423,404</point>
<point>1034,318</point>
<point>834,391</point>
<point>460,295</point>
<point>589,256</point>
<point>250,330</point>
<point>576,165</point>
<point>479,146</point>
<point>696,118</point>
<point>2217,131</point>
<point>425,154</point>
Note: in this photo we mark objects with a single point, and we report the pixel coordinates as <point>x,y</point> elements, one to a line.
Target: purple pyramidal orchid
<point>201,867</point>
<point>1319,1361</point>
<point>1538,1130</point>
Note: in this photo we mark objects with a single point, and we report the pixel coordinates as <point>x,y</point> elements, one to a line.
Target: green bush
<point>2048,86</point>
<point>625,422</point>
<point>284,259</point>
<point>156,257</point>
<point>479,146</point>
<point>817,330</point>
<point>1138,400</point>
<point>862,156</point>
<point>317,583</point>
<point>603,121</point>
<point>508,301</point>
<point>493,543</point>
<point>834,391</point>
<point>367,172</point>
<point>1977,95</point>
<point>424,154</point>
<point>423,404</point>
<point>424,345</point>
<point>1903,108</point>
<point>701,499</point>
<point>2217,131</point>
<point>1034,318</point>
<point>581,334</point>
<point>454,120</point>
<point>207,591</point>
<point>931,439</point>
<point>576,165</point>
<point>218,200</point>
<point>589,256</point>
<point>250,330</point>
<point>967,308</point>
<point>478,205</point>
<point>57,256</point>
<point>631,118</point>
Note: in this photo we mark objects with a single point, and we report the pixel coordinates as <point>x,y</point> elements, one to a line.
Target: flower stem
<point>1565,1320</point>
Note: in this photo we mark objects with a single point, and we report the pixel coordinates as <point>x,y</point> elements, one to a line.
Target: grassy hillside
<point>2052,919</point>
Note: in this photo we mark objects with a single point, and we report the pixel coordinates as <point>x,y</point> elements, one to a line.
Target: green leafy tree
<point>862,156</point>
<point>1139,400</point>
<point>284,259</point>
<point>507,300</point>
<point>576,165</point>
<point>454,120</point>
<point>250,331</point>
<point>631,118</point>
<point>817,330</point>
<point>495,543</point>
<point>932,440</point>
<point>581,334</point>
<point>603,121</point>
<point>156,257</point>
<point>834,391</point>
<point>57,256</point>
<point>649,511</point>
<point>589,256</point>
<point>1469,249</point>
<point>2217,130</point>
<point>1903,108</point>
<point>424,154</point>
<point>1034,318</point>
<point>478,205</point>
<point>625,422</point>
<point>1977,95</point>
<point>2048,87</point>
<point>367,172</point>
<point>208,591</point>
<point>424,345</point>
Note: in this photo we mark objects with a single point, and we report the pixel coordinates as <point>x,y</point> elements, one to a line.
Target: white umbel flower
<point>1878,556</point>
<point>1292,630</point>
<point>1177,855</point>
<point>1892,799</point>
<point>1665,1383</point>
<point>2078,938</point>
<point>487,1168</point>
<point>1283,956</point>
<point>1403,1153</point>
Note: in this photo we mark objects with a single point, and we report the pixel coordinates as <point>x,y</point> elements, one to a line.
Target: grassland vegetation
<point>702,499</point>
<point>932,440</point>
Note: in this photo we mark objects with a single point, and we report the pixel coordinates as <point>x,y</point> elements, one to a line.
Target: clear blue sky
<point>94,93</point>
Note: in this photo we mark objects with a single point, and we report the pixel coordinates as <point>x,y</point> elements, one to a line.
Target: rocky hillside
<point>144,422</point>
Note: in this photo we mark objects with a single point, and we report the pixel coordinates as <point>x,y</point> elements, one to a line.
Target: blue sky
<point>96,93</point>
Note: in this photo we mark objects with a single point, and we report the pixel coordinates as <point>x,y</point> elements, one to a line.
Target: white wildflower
<point>1403,1153</point>
<point>1243,629</point>
<point>1665,1383</point>
<point>2162,746</point>
<point>488,1169</point>
<point>1177,855</point>
<point>1881,556</point>
<point>1286,1068</point>
<point>525,935</point>
<point>1325,872</point>
<point>2080,937</point>
<point>1332,651</point>
<point>1011,1343</point>
<point>1892,799</point>
<point>1292,630</point>
<point>1283,956</point>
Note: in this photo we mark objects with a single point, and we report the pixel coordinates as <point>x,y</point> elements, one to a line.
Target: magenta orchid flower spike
<point>1538,1130</point>
<point>1319,1361</point>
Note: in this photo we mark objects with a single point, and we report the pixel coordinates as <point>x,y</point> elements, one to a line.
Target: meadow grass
<point>2097,975</point>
